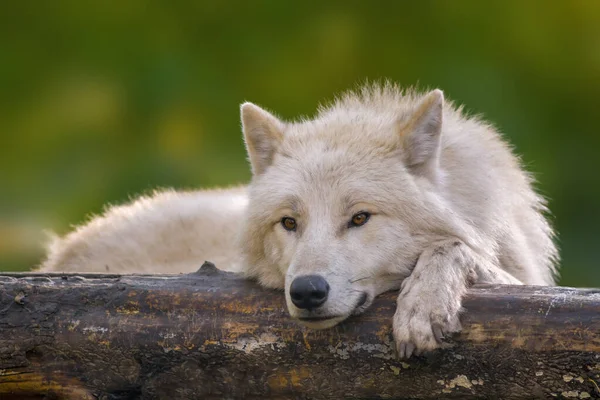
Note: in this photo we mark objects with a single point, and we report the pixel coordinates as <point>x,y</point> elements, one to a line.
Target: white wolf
<point>384,189</point>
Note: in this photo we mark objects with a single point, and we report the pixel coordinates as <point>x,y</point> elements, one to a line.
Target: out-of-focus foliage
<point>104,100</point>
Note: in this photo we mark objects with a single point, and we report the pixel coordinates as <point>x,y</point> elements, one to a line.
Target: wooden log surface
<point>214,335</point>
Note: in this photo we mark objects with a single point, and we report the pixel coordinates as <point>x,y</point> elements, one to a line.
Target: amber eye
<point>359,219</point>
<point>289,224</point>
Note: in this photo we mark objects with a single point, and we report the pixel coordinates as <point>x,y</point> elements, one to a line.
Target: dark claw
<point>438,334</point>
<point>409,349</point>
<point>401,350</point>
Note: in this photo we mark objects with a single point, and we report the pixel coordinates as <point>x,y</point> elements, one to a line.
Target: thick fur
<point>449,205</point>
<point>168,232</point>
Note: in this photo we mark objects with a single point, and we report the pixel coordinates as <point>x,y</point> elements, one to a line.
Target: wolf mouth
<point>361,301</point>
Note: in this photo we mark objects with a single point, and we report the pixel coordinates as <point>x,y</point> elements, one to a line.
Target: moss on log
<point>214,335</point>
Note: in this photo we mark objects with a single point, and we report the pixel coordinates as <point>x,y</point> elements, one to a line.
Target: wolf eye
<point>359,219</point>
<point>289,224</point>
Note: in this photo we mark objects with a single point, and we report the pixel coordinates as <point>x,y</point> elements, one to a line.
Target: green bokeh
<point>101,101</point>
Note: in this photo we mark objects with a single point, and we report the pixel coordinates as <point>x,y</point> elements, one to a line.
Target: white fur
<point>450,205</point>
<point>168,232</point>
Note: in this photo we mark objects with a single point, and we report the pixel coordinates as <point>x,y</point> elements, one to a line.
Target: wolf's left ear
<point>421,135</point>
<point>263,133</point>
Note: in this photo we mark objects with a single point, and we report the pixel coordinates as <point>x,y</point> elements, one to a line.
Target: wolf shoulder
<point>486,183</point>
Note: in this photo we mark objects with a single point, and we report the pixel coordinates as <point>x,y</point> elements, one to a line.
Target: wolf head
<point>340,207</point>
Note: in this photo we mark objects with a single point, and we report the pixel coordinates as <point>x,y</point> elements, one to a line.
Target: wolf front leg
<point>430,298</point>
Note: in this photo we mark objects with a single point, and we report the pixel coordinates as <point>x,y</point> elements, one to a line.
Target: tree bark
<point>214,335</point>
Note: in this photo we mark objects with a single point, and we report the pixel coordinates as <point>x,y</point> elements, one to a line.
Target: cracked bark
<point>214,335</point>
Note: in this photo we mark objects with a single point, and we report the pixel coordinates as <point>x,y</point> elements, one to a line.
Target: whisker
<point>387,278</point>
<point>361,279</point>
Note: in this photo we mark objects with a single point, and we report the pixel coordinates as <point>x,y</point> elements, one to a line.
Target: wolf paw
<point>419,327</point>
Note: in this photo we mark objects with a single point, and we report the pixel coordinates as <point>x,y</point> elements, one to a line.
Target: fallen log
<point>214,335</point>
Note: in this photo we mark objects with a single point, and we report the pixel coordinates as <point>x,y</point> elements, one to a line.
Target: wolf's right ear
<point>263,133</point>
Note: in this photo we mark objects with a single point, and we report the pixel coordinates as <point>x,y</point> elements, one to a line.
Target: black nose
<point>309,291</point>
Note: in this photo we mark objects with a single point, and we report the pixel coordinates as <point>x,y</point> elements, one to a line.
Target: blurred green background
<point>101,101</point>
